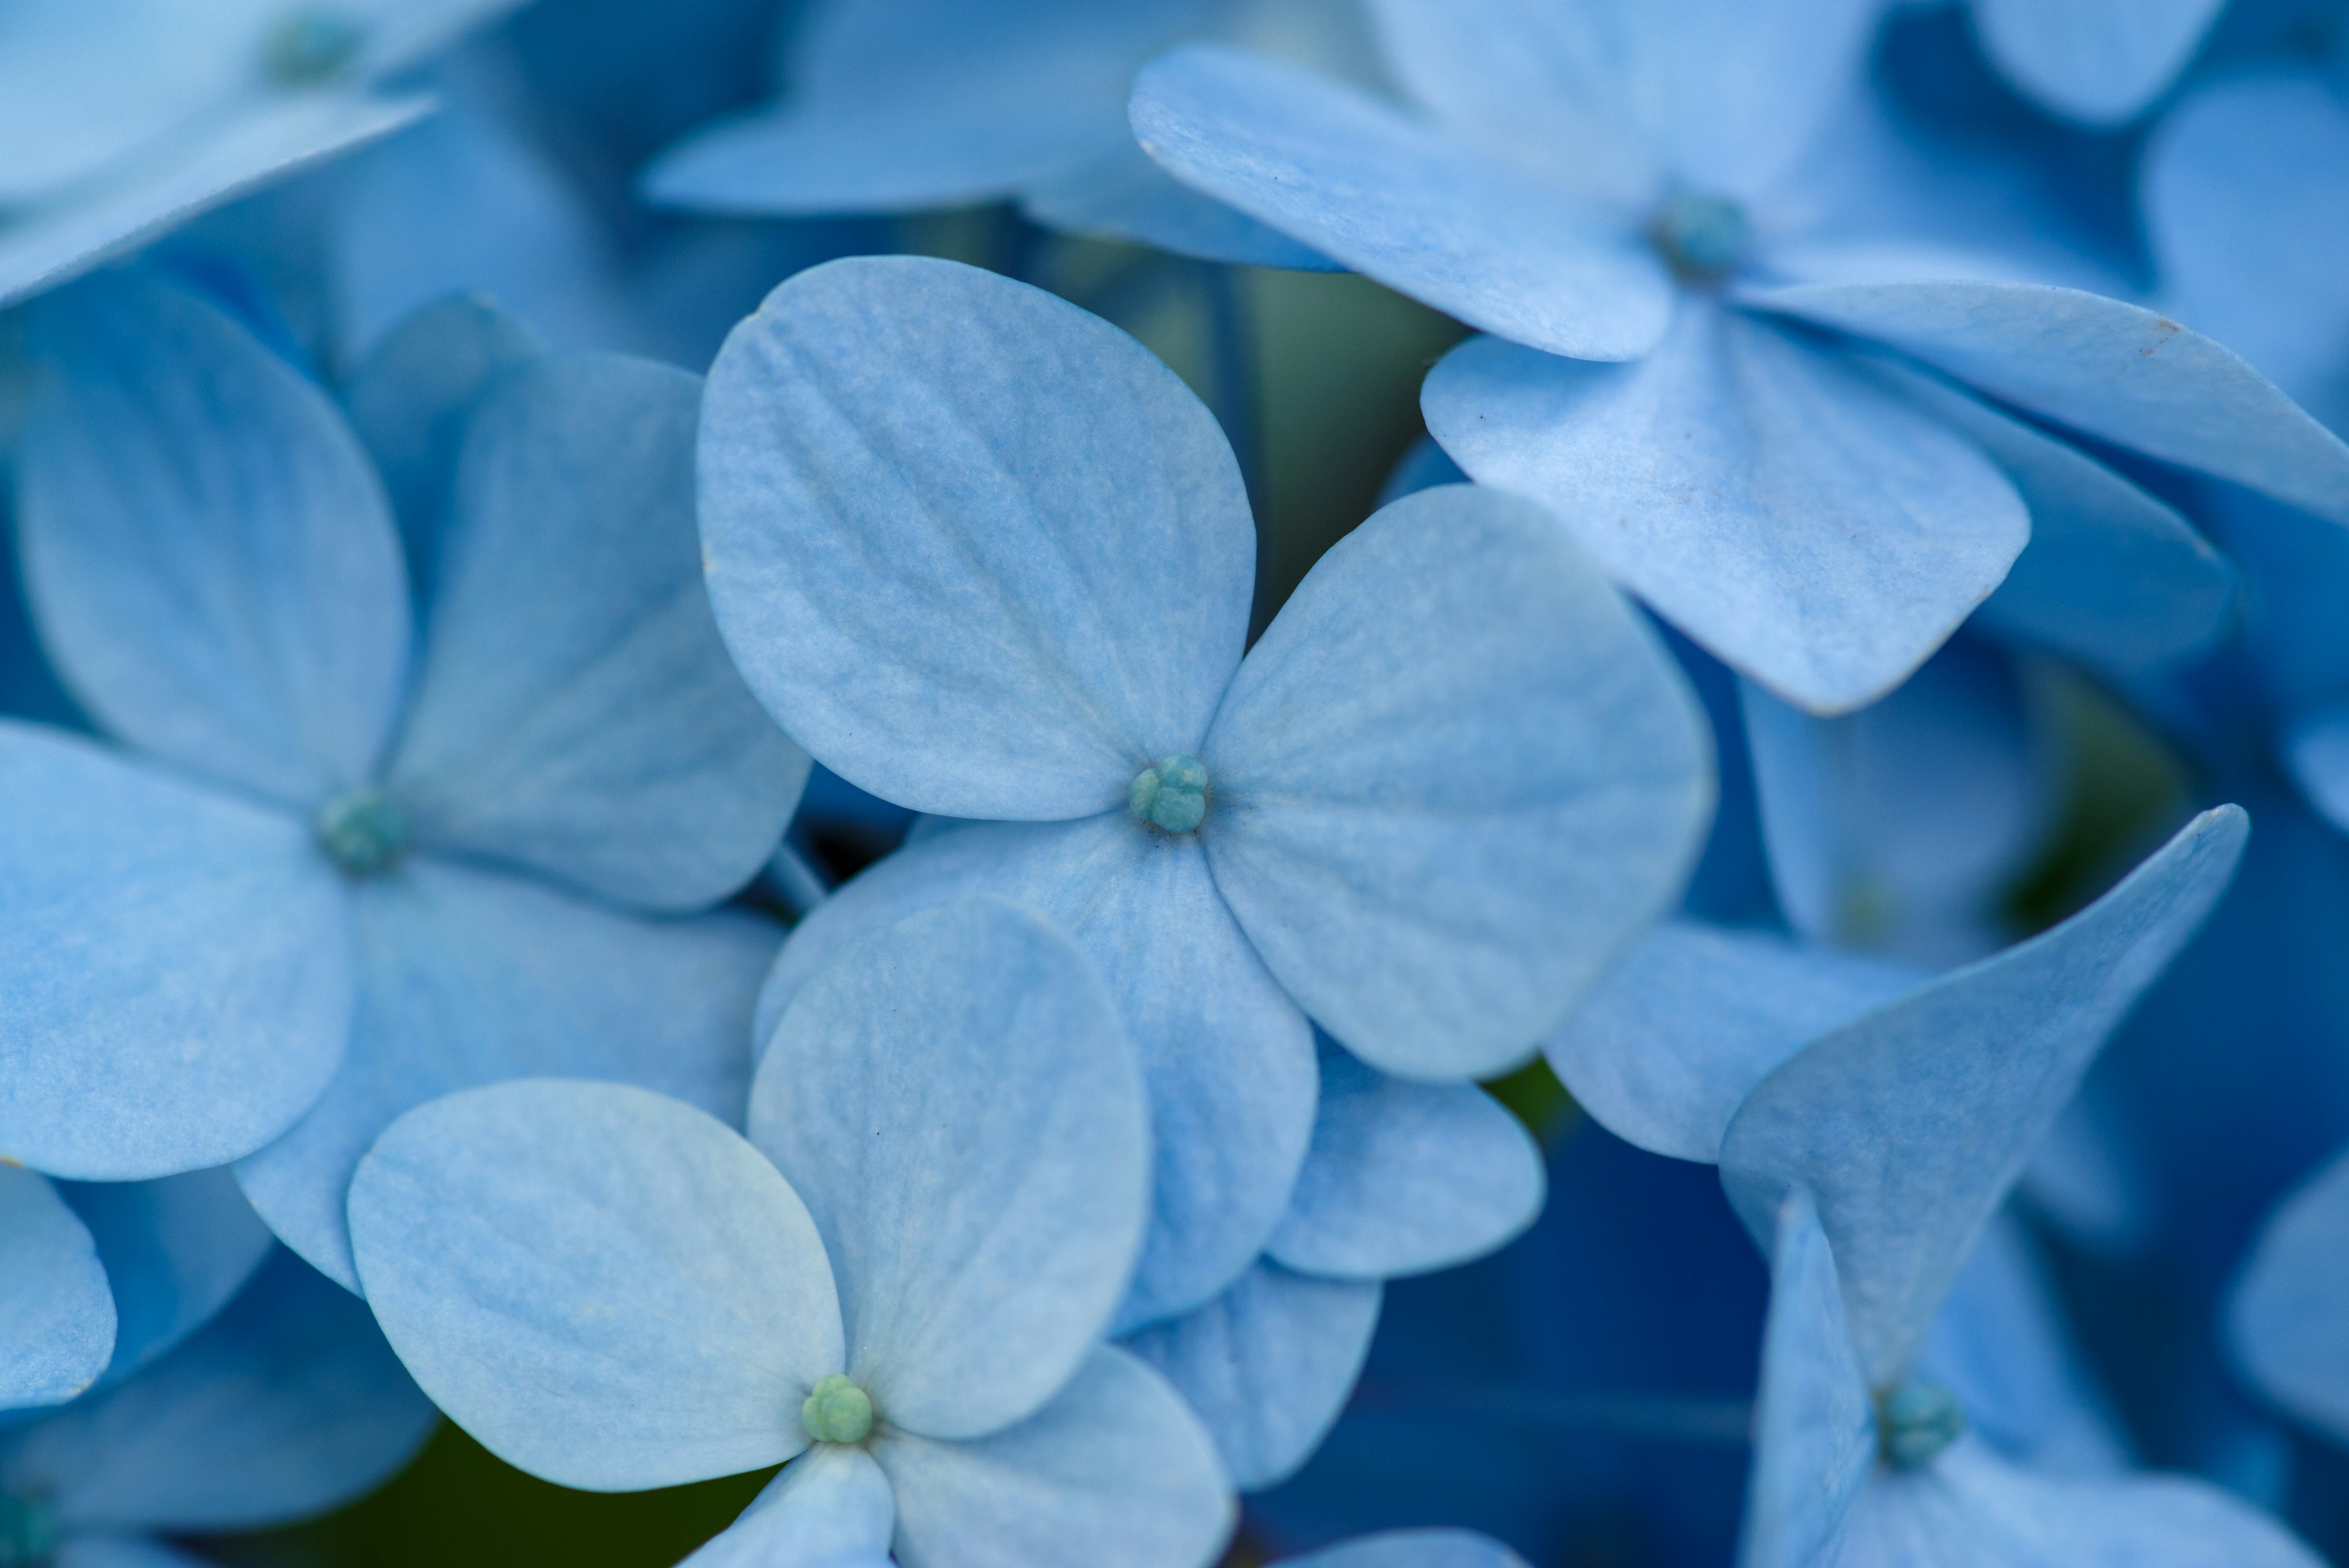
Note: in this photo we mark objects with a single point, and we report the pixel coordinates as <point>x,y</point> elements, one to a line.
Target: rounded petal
<point>57,1315</point>
<point>1404,1178</point>
<point>209,555</point>
<point>954,1099</point>
<point>1268,1365</point>
<point>602,737</point>
<point>609,1289</point>
<point>470,977</point>
<point>1813,530</point>
<point>2100,62</point>
<point>2316,749</point>
<point>2285,1322</point>
<point>979,551</point>
<point>1114,1474</point>
<point>176,964</point>
<point>1453,780</point>
<point>1813,1426</point>
<point>830,1508</point>
<point>1446,222</point>
<point>176,1251</point>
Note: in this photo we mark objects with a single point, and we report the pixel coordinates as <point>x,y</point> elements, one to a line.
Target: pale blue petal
<point>2114,371</point>
<point>1404,1179</point>
<point>288,1403</point>
<point>175,963</point>
<point>830,1506</point>
<point>187,176</point>
<point>2316,749</point>
<point>1454,778</point>
<point>954,1099</point>
<point>576,714</point>
<point>209,555</point>
<point>1227,1057</point>
<point>1114,1474</point>
<point>1818,533</point>
<point>1126,196</point>
<point>608,1289</point>
<point>2098,61</point>
<point>2243,189</point>
<point>400,33</point>
<point>1911,1124</point>
<point>1445,222</point>
<point>410,402</point>
<point>1813,1426</point>
<point>56,1315</point>
<point>175,1251</point>
<point>2111,576</point>
<point>978,550</point>
<point>1268,1365</point>
<point>468,978</point>
<point>1411,1549</point>
<point>1970,1510</point>
<point>1668,1048</point>
<point>2288,1319</point>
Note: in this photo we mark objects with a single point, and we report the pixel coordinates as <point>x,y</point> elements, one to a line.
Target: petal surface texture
<point>575,713</point>
<point>831,1506</point>
<point>1114,1474</point>
<point>979,551</point>
<point>1911,1124</point>
<point>176,977</point>
<point>1813,1429</point>
<point>609,1289</point>
<point>57,1315</point>
<point>469,977</point>
<point>2098,61</point>
<point>1453,780</point>
<point>1442,221</point>
<point>1814,529</point>
<point>954,1099</point>
<point>2285,1324</point>
<point>210,556</point>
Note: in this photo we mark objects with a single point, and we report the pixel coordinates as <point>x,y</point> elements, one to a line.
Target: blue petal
<point>609,1289</point>
<point>1404,1179</point>
<point>175,1251</point>
<point>1268,1365</point>
<point>1818,533</point>
<point>469,977</point>
<point>830,1508</point>
<point>1445,222</point>
<point>2285,1324</point>
<point>576,714</point>
<point>287,1404</point>
<point>2114,371</point>
<point>1126,196</point>
<point>976,549</point>
<point>1694,1017</point>
<point>954,1099</point>
<point>1114,1474</point>
<point>1911,1124</point>
<point>1227,1057</point>
<point>1453,780</point>
<point>2316,749</point>
<point>176,962</point>
<point>1813,1429</point>
<point>410,402</point>
<point>1411,1549</point>
<point>123,1551</point>
<point>210,556</point>
<point>2098,61</point>
<point>56,1315</point>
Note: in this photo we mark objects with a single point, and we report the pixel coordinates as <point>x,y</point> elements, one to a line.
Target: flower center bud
<point>1703,238</point>
<point>1915,1422</point>
<point>29,1531</point>
<point>365,832</point>
<point>306,48</point>
<point>837,1411</point>
<point>1172,794</point>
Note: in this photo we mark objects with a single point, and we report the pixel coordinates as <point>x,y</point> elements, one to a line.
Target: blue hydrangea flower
<point>1401,1179</point>
<point>287,1404</point>
<point>336,863</point>
<point>2099,62</point>
<point>898,1281</point>
<point>124,118</point>
<point>1741,334</point>
<point>97,1279</point>
<point>898,105</point>
<point>988,559</point>
<point>2288,1319</point>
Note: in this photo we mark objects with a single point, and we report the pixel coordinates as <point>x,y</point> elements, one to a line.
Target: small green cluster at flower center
<point>1170,795</point>
<point>29,1531</point>
<point>1915,1422</point>
<point>837,1411</point>
<point>1701,238</point>
<point>365,832</point>
<point>306,48</point>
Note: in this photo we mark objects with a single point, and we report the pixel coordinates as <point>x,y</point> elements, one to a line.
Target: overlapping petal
<point>57,1315</point>
<point>2098,61</point>
<point>831,1506</point>
<point>1814,1431</point>
<point>176,1250</point>
<point>2285,1322</point>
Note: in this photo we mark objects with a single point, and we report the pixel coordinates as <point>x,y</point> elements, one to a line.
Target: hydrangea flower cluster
<point>731,746</point>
